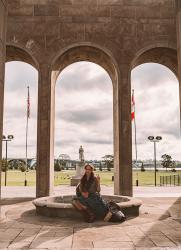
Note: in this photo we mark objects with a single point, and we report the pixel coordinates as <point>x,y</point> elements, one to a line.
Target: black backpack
<point>117,215</point>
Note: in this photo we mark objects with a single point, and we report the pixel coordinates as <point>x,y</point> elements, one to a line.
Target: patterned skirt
<point>95,203</point>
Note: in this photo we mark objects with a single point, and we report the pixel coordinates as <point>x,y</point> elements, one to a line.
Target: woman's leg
<point>87,214</point>
<point>91,215</point>
<point>98,206</point>
<point>77,204</point>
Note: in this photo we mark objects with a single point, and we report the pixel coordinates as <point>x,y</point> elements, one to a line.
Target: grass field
<point>16,178</point>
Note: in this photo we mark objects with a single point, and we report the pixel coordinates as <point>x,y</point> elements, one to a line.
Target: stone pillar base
<point>74,181</point>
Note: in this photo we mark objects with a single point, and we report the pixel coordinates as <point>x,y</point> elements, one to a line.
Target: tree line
<point>107,163</point>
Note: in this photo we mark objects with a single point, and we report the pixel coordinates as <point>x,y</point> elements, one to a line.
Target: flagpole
<point>27,117</point>
<point>136,151</point>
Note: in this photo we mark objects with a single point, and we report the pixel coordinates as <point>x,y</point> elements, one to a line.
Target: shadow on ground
<point>11,201</point>
<point>154,228</point>
<point>165,232</point>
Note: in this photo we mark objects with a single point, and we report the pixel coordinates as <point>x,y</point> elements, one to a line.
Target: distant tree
<point>57,166</point>
<point>63,160</point>
<point>100,166</point>
<point>16,164</point>
<point>142,167</point>
<point>11,164</point>
<point>4,165</point>
<point>63,164</point>
<point>22,161</point>
<point>22,165</point>
<point>166,161</point>
<point>109,159</point>
<point>173,166</point>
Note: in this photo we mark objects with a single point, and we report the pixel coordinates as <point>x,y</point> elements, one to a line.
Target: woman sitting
<point>88,200</point>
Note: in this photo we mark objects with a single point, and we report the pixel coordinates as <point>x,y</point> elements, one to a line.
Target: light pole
<point>6,139</point>
<point>153,139</point>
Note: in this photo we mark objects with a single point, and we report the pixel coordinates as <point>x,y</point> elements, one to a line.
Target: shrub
<point>22,168</point>
<point>142,169</point>
<point>57,166</point>
<point>10,166</point>
<point>4,165</point>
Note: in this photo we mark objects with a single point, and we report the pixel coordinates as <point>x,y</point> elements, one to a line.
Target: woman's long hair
<point>85,184</point>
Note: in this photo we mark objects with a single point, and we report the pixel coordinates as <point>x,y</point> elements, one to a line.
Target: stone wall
<point>178,22</point>
<point>116,34</point>
<point>2,62</point>
<point>122,26</point>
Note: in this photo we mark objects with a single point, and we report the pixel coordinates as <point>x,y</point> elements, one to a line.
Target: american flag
<point>28,104</point>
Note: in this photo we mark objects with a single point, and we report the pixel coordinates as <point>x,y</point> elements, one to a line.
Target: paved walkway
<point>142,191</point>
<point>21,228</point>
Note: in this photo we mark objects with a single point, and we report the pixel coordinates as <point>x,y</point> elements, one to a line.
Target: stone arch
<point>121,114</point>
<point>86,52</point>
<point>161,53</point>
<point>16,53</point>
<point>97,55</point>
<point>166,56</point>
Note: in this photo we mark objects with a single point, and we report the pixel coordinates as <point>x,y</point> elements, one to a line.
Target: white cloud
<point>18,76</point>
<point>84,111</point>
<point>157,109</point>
<point>83,107</point>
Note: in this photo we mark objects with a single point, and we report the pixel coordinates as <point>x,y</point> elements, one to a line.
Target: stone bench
<point>61,206</point>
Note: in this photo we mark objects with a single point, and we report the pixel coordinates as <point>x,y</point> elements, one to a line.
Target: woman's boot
<point>87,215</point>
<point>90,216</point>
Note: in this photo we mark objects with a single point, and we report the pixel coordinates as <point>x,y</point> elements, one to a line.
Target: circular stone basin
<point>61,206</point>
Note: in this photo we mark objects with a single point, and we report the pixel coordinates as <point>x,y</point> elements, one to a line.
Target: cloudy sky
<point>84,110</point>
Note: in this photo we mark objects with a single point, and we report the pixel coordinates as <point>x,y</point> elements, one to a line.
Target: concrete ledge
<point>61,206</point>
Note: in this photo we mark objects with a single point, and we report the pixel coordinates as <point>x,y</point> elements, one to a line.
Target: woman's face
<point>88,170</point>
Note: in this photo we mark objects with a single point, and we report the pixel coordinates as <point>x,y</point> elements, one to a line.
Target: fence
<point>170,180</point>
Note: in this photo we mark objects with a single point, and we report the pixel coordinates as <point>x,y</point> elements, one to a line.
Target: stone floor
<point>21,228</point>
<point>141,191</point>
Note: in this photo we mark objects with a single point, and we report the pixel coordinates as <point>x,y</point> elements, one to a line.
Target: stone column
<point>178,28</point>
<point>123,135</point>
<point>45,133</point>
<point>2,67</point>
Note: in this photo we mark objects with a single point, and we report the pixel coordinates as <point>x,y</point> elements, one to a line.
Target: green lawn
<point>16,178</point>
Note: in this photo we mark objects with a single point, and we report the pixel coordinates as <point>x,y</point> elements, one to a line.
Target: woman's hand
<point>85,194</point>
<point>98,178</point>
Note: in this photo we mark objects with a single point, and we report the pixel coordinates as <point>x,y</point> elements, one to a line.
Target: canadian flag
<point>132,106</point>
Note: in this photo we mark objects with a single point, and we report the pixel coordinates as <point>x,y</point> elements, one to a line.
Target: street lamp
<point>6,139</point>
<point>153,139</point>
